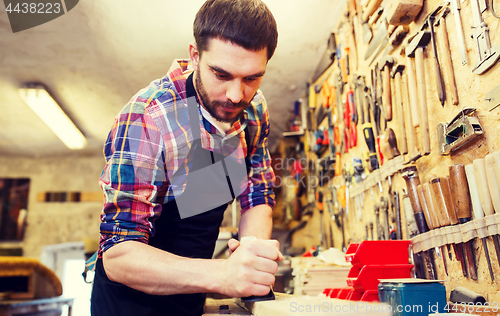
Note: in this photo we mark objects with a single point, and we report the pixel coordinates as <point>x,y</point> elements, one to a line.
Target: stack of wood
<point>312,276</point>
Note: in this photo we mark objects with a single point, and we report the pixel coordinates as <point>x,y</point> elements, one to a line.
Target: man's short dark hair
<point>247,23</point>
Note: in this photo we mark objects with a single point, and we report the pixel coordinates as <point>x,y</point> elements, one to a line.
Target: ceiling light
<point>42,103</point>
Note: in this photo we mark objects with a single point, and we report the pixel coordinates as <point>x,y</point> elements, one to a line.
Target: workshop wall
<point>350,203</point>
<point>56,222</point>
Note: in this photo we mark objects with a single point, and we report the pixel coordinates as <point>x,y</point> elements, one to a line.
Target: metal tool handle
<point>455,6</point>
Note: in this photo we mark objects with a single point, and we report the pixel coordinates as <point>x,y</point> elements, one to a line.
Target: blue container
<point>413,297</point>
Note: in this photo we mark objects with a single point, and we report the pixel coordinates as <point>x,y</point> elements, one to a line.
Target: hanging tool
<point>429,23</point>
<point>376,16</point>
<point>359,88</point>
<point>412,231</point>
<point>444,52</point>
<point>462,129</point>
<point>403,12</point>
<point>412,85</point>
<point>397,207</point>
<point>487,55</point>
<point>347,125</point>
<point>380,38</point>
<point>385,65</point>
<point>482,5</point>
<point>455,10</point>
<point>431,214</point>
<point>384,208</point>
<point>367,32</point>
<point>477,210</point>
<point>395,39</point>
<point>327,58</point>
<point>489,197</point>
<point>376,211</point>
<point>396,74</point>
<point>378,114</point>
<point>319,205</point>
<point>438,218</point>
<point>370,8</point>
<point>393,143</point>
<point>416,49</point>
<point>368,134</point>
<point>353,29</point>
<point>410,175</point>
<point>341,202</point>
<point>445,205</point>
<point>461,198</point>
<point>347,64</point>
<point>330,205</point>
<point>413,152</point>
<point>353,118</point>
<point>389,145</point>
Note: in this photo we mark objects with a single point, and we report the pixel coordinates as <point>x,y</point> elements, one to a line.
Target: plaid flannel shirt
<point>151,135</point>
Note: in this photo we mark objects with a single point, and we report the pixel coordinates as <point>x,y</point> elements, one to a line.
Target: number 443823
<point>33,7</point>
<point>471,308</point>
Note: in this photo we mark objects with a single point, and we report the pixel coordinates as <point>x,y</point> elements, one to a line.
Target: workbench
<point>296,305</point>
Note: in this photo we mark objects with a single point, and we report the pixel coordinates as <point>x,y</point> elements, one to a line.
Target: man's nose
<point>235,91</point>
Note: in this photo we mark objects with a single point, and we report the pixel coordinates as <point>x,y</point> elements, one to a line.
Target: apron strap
<point>194,117</point>
<point>194,121</point>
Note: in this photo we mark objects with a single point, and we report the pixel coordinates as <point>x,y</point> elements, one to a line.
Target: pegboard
<point>363,193</point>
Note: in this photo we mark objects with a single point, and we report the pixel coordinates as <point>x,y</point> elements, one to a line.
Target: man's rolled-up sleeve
<point>261,180</point>
<point>132,179</point>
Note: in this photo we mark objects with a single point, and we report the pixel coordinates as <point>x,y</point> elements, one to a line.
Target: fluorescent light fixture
<point>42,103</point>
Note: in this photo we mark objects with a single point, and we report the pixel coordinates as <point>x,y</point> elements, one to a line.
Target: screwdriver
<point>485,196</point>
<point>445,205</point>
<point>410,175</point>
<point>412,231</point>
<point>460,193</point>
<point>477,210</point>
<point>368,134</point>
<point>430,214</point>
<point>492,164</point>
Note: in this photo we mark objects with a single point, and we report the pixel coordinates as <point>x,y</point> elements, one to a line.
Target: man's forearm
<point>157,272</point>
<point>257,221</point>
<point>248,271</point>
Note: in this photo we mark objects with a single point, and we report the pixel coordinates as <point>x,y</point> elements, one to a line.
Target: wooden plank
<point>318,306</point>
<point>91,196</point>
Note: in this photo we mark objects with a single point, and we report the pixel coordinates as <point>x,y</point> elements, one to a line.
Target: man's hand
<point>251,267</point>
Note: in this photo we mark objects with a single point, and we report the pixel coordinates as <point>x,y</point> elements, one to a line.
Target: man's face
<point>227,77</point>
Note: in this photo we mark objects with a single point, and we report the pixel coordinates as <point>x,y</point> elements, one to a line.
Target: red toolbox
<point>367,277</point>
<point>378,252</point>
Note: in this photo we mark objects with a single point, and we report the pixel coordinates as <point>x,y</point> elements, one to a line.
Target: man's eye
<point>221,76</point>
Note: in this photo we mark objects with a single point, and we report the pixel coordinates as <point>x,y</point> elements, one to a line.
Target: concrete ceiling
<point>95,57</point>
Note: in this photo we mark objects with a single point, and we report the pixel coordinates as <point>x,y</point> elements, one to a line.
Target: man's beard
<point>211,106</point>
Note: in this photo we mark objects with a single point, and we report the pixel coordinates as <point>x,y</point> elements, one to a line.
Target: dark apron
<point>178,230</point>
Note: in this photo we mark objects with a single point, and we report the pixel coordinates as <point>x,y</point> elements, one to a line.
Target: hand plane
<point>461,130</point>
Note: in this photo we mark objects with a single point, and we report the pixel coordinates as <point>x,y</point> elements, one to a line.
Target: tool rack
<point>422,126</point>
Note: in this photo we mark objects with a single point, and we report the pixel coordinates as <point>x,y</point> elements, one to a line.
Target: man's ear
<point>194,55</point>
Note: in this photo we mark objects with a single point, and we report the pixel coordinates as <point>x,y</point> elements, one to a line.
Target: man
<point>174,149</point>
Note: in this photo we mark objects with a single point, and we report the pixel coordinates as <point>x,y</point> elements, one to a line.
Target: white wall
<point>51,223</point>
